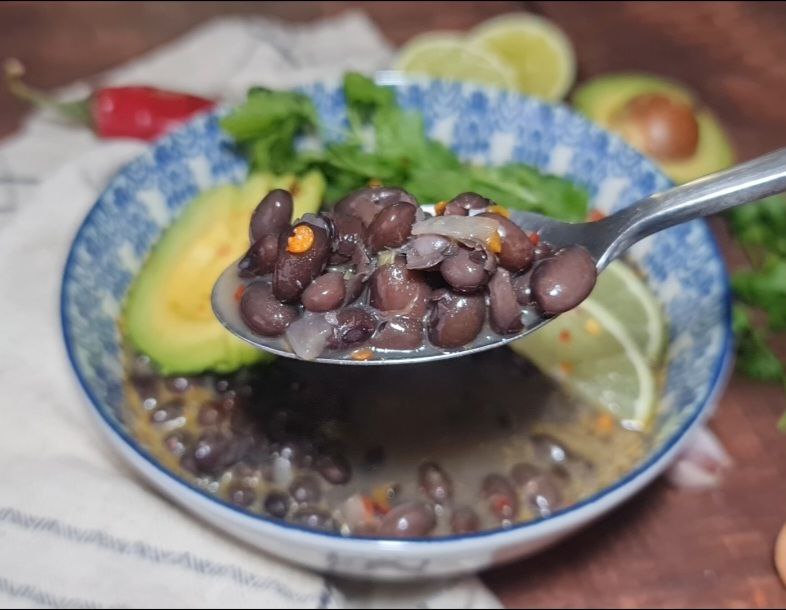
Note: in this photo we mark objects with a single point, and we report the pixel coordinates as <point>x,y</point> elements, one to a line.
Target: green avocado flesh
<point>167,314</point>
<point>602,98</point>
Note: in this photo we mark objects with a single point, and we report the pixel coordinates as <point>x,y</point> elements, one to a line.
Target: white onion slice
<point>463,228</point>
<point>702,464</point>
<point>427,251</point>
<point>309,335</point>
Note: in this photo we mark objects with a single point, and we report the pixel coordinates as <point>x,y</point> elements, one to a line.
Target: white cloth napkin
<point>77,529</point>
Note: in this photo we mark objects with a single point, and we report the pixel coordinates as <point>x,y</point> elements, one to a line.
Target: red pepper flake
<point>534,238</point>
<point>565,336</point>
<point>595,215</point>
<point>566,368</point>
<point>239,292</point>
<point>502,506</point>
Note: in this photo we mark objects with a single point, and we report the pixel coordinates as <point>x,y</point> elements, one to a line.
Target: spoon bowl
<point>605,240</point>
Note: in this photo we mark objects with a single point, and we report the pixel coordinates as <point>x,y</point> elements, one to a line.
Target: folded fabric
<point>77,528</point>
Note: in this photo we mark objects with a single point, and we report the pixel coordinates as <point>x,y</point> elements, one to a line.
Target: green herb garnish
<point>386,144</point>
<point>760,291</point>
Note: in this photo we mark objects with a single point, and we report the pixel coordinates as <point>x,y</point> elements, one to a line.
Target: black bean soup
<point>433,449</point>
<point>377,273</point>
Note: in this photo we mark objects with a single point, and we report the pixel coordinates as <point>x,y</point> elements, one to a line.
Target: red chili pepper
<point>144,113</point>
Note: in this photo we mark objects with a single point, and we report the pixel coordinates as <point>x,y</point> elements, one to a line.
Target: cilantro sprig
<point>387,144</point>
<point>760,291</point>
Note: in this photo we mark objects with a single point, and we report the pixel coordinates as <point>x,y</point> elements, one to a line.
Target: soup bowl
<point>683,267</point>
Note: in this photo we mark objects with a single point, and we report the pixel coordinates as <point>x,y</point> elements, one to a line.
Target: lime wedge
<point>593,357</point>
<point>537,51</point>
<point>627,298</point>
<point>445,55</point>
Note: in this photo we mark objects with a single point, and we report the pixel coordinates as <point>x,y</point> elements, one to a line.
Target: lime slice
<point>626,297</point>
<point>593,356</point>
<point>445,55</point>
<point>537,51</point>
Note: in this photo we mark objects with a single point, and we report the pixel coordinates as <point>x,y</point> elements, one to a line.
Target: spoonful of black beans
<point>380,279</point>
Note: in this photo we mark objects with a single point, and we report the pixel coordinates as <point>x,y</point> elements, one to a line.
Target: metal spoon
<point>605,239</point>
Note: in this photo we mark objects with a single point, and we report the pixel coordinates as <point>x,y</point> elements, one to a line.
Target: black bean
<point>354,288</point>
<point>299,452</point>
<point>272,215</point>
<point>365,203</point>
<point>353,327</point>
<point>456,319</point>
<point>464,520</point>
<point>167,412</point>
<point>241,495</point>
<point>305,490</point>
<point>502,499</point>
<point>563,280</point>
<point>549,450</point>
<point>260,259</point>
<point>212,452</point>
<point>294,271</point>
<point>263,313</point>
<point>178,442</point>
<point>543,494</point>
<point>314,518</point>
<point>346,235</point>
<point>521,289</point>
<point>146,386</point>
<point>277,504</point>
<point>435,483</point>
<point>504,310</point>
<point>428,251</point>
<point>400,333</point>
<point>178,385</point>
<point>326,292</point>
<point>391,227</point>
<point>542,250</point>
<point>210,414</point>
<point>334,468</point>
<point>466,203</point>
<point>523,472</point>
<point>408,520</point>
<point>465,271</point>
<point>517,250</point>
<point>395,288</point>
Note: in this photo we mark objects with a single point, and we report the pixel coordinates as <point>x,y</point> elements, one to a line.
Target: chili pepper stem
<point>78,111</point>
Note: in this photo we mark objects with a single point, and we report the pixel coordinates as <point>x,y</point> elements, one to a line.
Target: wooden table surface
<point>665,548</point>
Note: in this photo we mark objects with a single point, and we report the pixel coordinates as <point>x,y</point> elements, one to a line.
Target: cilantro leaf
<point>765,289</point>
<point>754,357</point>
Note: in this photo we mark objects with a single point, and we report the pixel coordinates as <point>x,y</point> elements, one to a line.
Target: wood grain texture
<point>665,548</point>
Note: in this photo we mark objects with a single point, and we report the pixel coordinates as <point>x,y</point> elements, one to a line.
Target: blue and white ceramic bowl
<point>481,125</point>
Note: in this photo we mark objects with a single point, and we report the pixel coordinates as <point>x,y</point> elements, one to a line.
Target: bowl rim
<point>633,480</point>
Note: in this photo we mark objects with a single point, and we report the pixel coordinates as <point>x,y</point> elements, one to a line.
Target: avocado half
<point>168,314</point>
<point>616,101</point>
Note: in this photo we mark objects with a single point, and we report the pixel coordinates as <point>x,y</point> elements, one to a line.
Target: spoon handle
<point>715,193</point>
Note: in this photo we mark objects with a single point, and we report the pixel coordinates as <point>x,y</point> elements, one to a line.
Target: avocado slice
<point>607,100</point>
<point>167,313</point>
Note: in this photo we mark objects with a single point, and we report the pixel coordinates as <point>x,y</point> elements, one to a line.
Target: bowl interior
<point>683,265</point>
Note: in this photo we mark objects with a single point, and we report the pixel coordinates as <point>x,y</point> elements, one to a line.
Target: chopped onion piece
<point>463,228</point>
<point>427,251</point>
<point>701,465</point>
<point>309,335</point>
